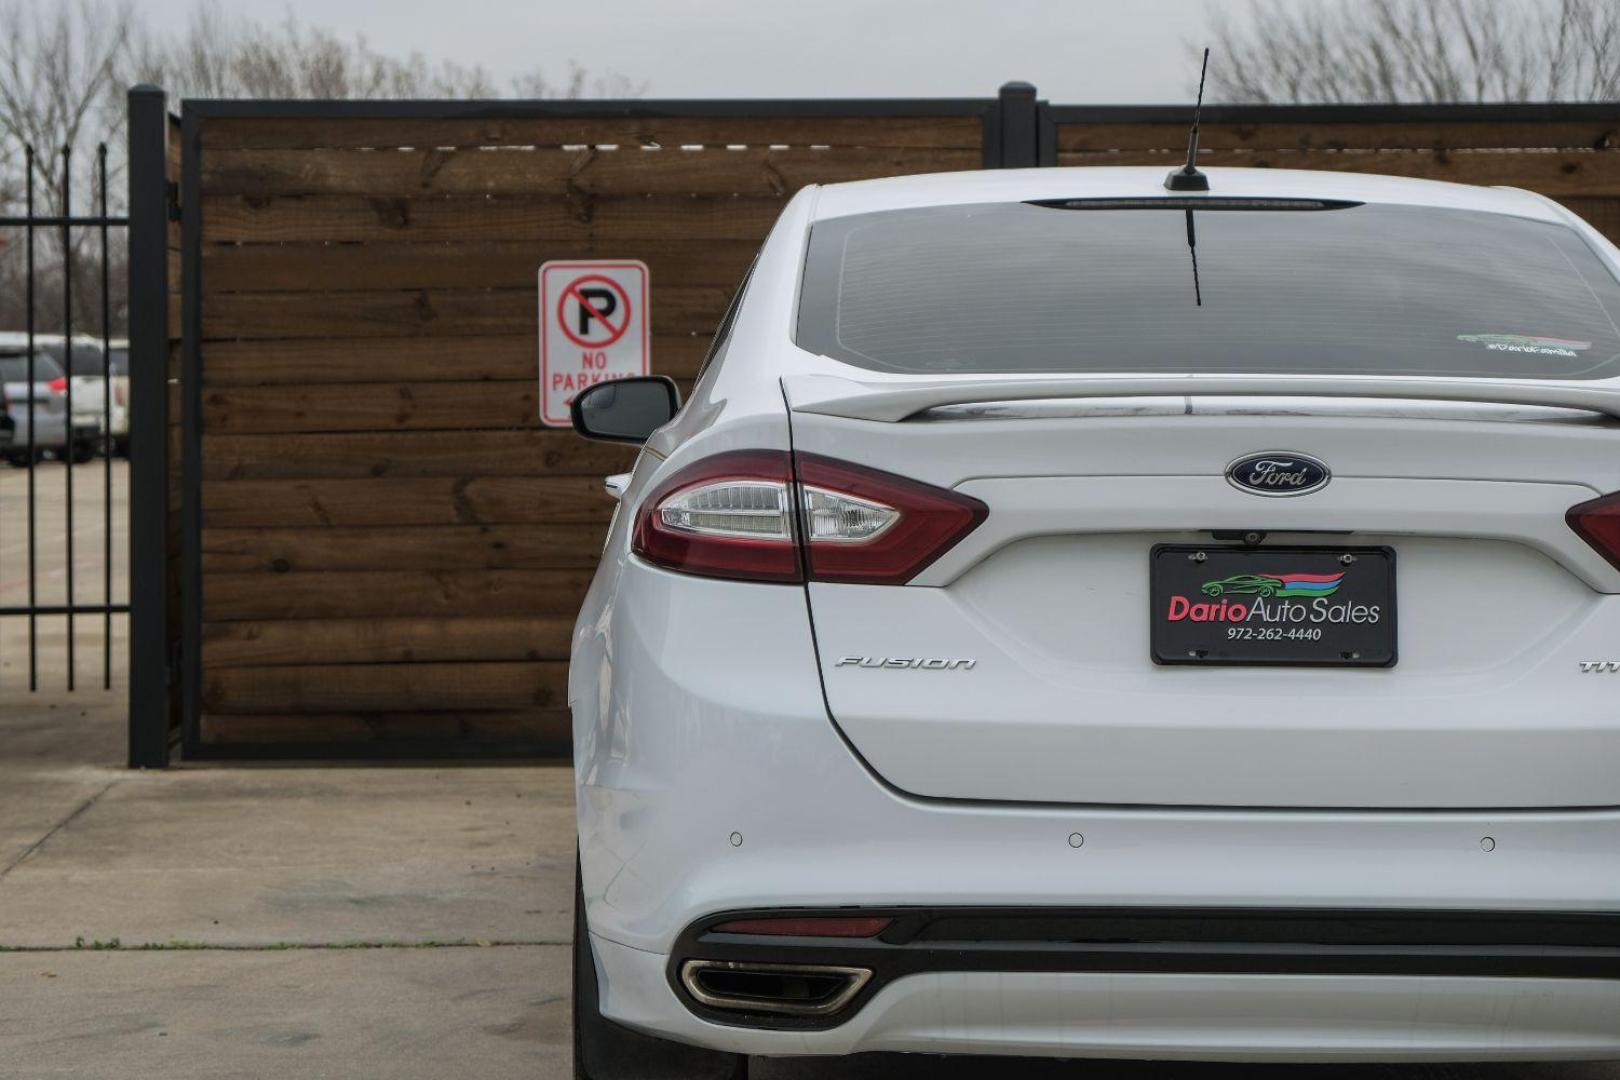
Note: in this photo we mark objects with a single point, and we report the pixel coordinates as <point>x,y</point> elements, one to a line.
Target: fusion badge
<point>895,663</point>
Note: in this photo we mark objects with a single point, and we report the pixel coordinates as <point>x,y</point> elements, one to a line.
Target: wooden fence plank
<point>1602,213</point>
<point>343,688</point>
<point>356,219</point>
<point>496,727</point>
<point>487,500</point>
<point>368,456</point>
<point>372,407</point>
<point>963,132</point>
<point>423,547</point>
<point>393,593</point>
<point>1395,135</point>
<point>1556,173</point>
<point>385,641</point>
<point>528,172</point>
<point>308,362</point>
<point>304,267</point>
<point>445,313</point>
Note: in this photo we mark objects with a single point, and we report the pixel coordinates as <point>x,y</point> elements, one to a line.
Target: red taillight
<point>741,515</point>
<point>807,926</point>
<point>727,516</point>
<point>928,521</point>
<point>1598,523</point>
<point>57,385</point>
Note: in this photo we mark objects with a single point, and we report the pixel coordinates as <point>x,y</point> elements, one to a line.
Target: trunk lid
<point>1498,602</point>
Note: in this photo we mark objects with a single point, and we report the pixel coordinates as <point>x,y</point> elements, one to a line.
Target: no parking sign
<point>593,327</point>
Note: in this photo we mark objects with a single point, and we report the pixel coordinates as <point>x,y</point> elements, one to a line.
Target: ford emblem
<point>1278,473</point>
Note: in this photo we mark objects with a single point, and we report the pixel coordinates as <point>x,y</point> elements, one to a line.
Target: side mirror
<point>625,410</point>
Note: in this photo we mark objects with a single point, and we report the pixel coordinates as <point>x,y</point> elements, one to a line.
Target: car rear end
<point>38,405</point>
<point>1187,629</point>
<point>118,379</point>
<point>88,367</point>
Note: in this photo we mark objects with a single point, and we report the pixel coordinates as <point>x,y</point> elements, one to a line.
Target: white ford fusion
<point>1076,618</point>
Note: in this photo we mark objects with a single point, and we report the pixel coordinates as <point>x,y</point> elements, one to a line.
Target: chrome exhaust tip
<point>790,989</point>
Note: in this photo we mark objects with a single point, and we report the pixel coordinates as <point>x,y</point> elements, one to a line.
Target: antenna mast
<point>1188,178</point>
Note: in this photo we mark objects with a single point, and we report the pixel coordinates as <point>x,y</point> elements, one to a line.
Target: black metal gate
<point>61,390</point>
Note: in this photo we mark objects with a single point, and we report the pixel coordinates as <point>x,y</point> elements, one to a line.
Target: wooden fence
<point>385,548</point>
<point>391,547</point>
<point>157,535</point>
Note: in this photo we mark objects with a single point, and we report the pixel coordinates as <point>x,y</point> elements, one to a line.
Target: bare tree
<point>58,70</point>
<point>64,69</point>
<point>220,56</point>
<point>1420,51</point>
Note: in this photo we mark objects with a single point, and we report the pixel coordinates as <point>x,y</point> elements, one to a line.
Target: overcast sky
<point>1080,51</point>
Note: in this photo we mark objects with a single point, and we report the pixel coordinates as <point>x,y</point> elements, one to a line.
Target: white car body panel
<point>1049,597</point>
<point>1023,185</point>
<point>725,760</point>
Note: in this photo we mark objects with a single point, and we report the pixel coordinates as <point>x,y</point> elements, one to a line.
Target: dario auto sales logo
<point>1272,600</point>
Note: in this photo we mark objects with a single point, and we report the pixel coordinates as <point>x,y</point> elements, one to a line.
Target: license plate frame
<point>1354,619</point>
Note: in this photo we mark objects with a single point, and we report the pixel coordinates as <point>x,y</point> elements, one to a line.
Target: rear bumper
<point>1225,1016</point>
<point>1187,941</point>
<point>50,432</point>
<point>707,788</point>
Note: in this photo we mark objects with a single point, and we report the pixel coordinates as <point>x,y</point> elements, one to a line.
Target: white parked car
<point>1074,618</point>
<point>94,368</point>
<point>49,411</point>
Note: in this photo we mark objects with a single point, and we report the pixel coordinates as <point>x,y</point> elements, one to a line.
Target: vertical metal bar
<point>106,431</point>
<point>191,438</point>
<point>1019,126</point>
<point>33,583</point>
<point>71,447</point>
<point>149,630</point>
<point>1046,135</point>
<point>990,134</point>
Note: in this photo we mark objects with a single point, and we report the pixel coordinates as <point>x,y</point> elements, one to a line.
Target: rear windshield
<point>1100,286</point>
<point>14,367</point>
<point>86,358</point>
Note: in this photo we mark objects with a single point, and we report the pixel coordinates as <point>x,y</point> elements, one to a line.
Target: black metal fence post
<point>191,584</point>
<point>106,427</point>
<point>1020,127</point>
<point>149,688</point>
<point>70,448</point>
<point>33,438</point>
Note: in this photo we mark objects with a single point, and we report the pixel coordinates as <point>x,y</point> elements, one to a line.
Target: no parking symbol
<point>593,327</point>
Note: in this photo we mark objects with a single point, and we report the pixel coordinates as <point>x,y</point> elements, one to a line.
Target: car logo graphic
<point>1274,585</point>
<point>1278,473</point>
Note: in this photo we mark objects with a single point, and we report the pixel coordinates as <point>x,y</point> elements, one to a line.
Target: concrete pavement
<point>407,923</point>
<point>49,581</point>
<point>444,1012</point>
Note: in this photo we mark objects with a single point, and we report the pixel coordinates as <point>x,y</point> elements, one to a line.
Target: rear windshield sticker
<point>1524,343</point>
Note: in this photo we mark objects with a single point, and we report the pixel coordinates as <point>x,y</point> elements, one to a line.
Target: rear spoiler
<point>895,398</point>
